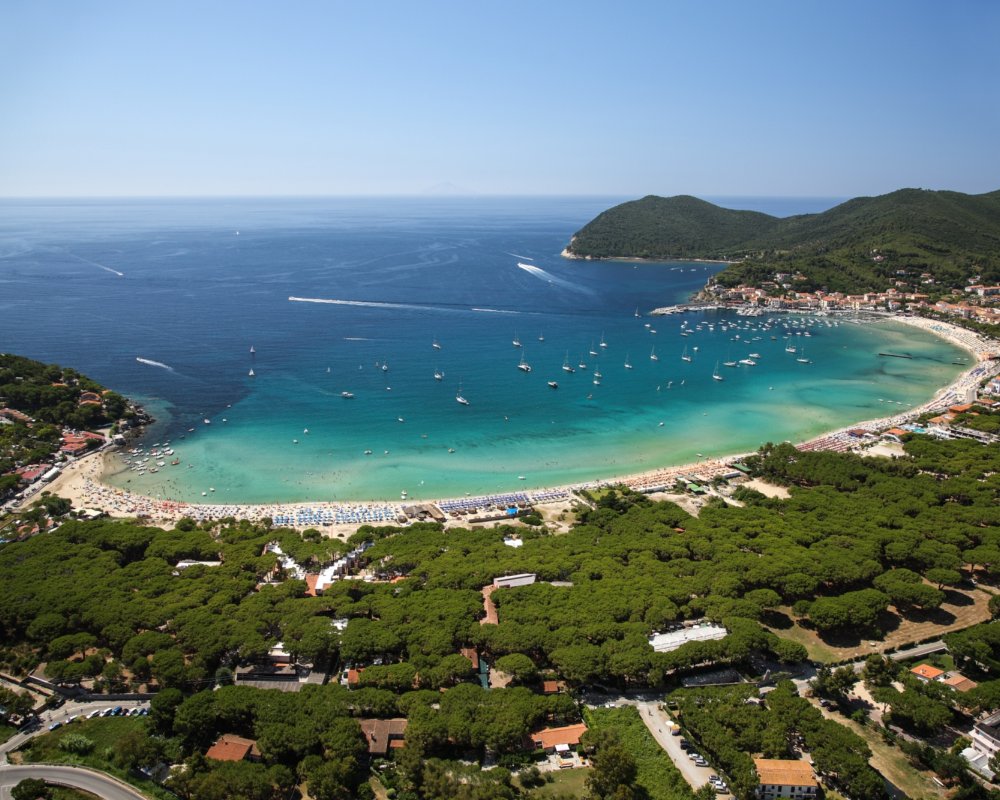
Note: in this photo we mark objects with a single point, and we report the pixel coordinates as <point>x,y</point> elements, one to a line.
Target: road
<point>658,723</point>
<point>87,780</point>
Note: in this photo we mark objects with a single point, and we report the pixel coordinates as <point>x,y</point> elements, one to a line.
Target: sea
<point>407,304</point>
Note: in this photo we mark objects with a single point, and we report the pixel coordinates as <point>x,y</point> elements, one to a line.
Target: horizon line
<point>410,195</point>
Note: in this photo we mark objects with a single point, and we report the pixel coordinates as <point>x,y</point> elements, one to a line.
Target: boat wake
<point>541,274</point>
<point>526,258</point>
<point>411,306</point>
<point>356,339</point>
<point>362,303</point>
<point>152,363</point>
<point>101,266</point>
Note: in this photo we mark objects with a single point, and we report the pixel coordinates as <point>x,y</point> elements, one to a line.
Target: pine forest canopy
<point>864,244</point>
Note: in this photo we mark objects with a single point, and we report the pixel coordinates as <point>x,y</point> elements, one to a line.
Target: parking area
<point>659,723</point>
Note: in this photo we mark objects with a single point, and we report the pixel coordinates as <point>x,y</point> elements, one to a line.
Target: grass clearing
<point>104,732</point>
<point>963,609</point>
<point>657,773</point>
<point>564,781</point>
<point>6,731</point>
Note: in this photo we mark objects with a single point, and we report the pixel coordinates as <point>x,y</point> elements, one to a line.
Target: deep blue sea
<point>189,286</point>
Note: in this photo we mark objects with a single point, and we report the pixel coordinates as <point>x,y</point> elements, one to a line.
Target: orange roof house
<point>550,738</point>
<point>230,747</point>
<point>926,672</point>
<point>779,774</point>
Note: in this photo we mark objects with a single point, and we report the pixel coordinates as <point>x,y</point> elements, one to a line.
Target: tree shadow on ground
<point>852,637</point>
<point>953,598</point>
<point>777,620</point>
<point>937,616</point>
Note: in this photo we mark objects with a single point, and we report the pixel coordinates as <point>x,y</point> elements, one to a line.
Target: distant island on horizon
<point>859,245</point>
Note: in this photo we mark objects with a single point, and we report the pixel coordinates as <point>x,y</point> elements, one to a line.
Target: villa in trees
<point>784,778</point>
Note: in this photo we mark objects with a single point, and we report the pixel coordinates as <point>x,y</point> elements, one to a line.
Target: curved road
<point>88,780</point>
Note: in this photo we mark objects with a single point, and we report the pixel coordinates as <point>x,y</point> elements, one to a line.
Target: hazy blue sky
<point>627,98</point>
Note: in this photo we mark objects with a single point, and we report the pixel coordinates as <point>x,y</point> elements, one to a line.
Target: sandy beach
<point>80,480</point>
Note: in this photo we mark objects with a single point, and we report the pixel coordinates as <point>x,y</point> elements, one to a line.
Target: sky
<point>713,98</point>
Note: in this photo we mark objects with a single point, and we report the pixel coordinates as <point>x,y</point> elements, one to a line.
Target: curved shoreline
<point>81,481</point>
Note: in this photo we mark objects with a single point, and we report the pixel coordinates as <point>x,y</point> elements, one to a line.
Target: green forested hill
<point>950,235</point>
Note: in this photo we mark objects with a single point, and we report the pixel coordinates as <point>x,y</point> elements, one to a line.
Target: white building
<point>671,640</point>
<point>784,778</point>
<point>510,581</point>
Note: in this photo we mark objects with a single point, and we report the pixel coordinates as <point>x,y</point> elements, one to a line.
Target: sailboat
<point>802,358</point>
<point>458,397</point>
<point>637,314</point>
<point>566,367</point>
<point>251,372</point>
<point>252,351</point>
<point>516,342</point>
<point>541,337</point>
<point>524,366</point>
<point>628,364</point>
<point>593,352</point>
<point>716,374</point>
<point>436,344</point>
<point>438,375</point>
<point>685,356</point>
<point>653,356</point>
<point>603,343</point>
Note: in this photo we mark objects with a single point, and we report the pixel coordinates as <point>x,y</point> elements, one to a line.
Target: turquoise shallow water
<point>202,281</point>
<point>516,425</point>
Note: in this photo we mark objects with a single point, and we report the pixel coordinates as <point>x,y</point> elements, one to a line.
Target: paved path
<point>658,723</point>
<point>85,779</point>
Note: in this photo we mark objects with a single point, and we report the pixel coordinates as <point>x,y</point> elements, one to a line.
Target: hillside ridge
<point>862,244</point>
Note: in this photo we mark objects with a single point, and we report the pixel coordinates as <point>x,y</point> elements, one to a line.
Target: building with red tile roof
<point>958,682</point>
<point>780,777</point>
<point>926,672</point>
<point>551,738</point>
<point>230,747</point>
